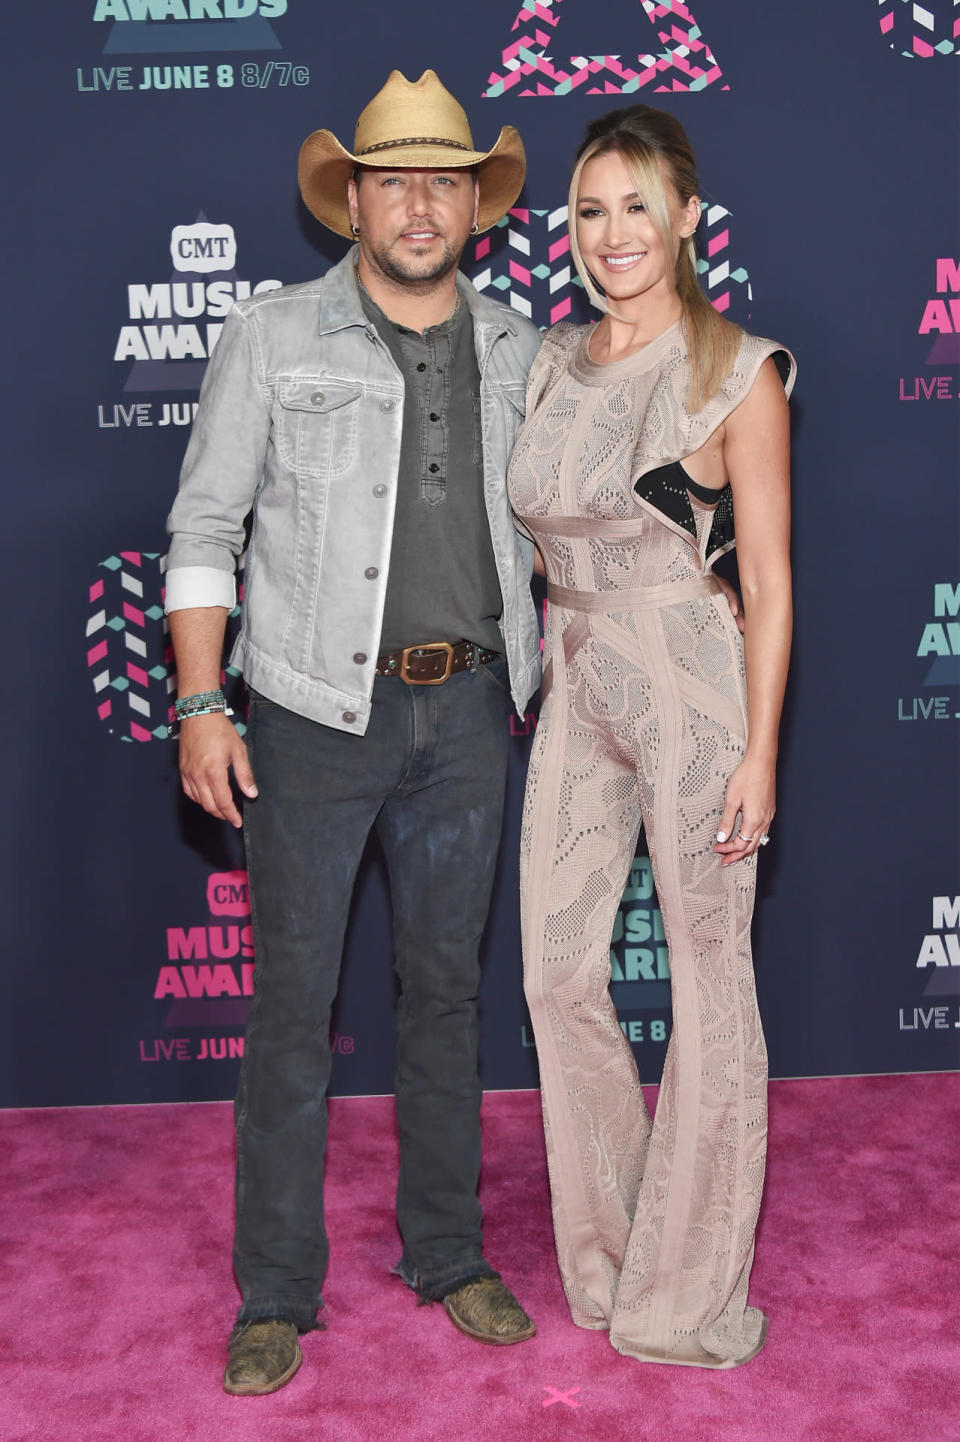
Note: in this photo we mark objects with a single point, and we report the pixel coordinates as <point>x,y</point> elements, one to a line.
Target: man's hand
<point>732,600</point>
<point>209,746</point>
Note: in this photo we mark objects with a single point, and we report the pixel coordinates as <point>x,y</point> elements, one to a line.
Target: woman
<point>645,434</point>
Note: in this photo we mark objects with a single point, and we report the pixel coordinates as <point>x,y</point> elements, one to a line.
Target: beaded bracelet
<point>203,703</point>
<point>206,711</point>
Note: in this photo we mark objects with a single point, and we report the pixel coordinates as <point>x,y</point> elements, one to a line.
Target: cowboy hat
<point>409,125</point>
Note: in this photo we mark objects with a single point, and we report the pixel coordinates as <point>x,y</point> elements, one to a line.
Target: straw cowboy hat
<point>410,125</point>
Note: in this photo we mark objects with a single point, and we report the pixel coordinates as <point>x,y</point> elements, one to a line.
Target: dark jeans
<point>429,775</point>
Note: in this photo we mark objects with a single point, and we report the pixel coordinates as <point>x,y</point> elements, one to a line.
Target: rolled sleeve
<point>189,586</point>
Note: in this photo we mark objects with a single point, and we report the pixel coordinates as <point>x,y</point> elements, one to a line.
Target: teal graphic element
<point>158,37</point>
<point>945,671</point>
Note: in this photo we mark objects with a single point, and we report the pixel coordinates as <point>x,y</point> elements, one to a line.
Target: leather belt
<point>434,662</point>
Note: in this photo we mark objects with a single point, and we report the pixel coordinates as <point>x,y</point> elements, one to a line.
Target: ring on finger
<point>741,837</point>
<point>764,839</point>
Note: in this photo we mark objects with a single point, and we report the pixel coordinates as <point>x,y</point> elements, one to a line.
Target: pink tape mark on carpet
<point>568,1398</point>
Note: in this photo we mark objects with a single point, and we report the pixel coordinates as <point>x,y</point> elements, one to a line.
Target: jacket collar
<point>340,305</point>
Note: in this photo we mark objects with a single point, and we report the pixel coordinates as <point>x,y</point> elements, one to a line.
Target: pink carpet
<point>118,1293</point>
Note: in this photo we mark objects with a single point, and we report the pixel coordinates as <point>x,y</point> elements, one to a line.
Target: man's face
<point>413,224</point>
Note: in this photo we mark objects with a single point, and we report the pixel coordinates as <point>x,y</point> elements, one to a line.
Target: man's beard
<point>393,268</point>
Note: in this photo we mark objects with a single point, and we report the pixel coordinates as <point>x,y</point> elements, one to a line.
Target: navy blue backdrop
<point>151,155</point>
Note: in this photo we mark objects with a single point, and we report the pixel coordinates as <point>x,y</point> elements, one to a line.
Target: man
<point>365,420</point>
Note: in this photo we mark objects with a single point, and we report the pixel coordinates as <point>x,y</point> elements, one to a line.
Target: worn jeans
<point>429,774</point>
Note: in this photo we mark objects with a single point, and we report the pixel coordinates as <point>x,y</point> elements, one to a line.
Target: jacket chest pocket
<point>317,426</point>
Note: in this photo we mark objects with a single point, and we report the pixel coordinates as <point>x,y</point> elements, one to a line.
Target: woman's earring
<point>474,229</point>
<point>355,229</point>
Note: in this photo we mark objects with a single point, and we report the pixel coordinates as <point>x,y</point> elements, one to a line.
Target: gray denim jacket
<point>300,421</point>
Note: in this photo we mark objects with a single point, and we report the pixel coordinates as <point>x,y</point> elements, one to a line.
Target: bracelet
<point>207,711</point>
<point>173,731</point>
<point>203,703</point>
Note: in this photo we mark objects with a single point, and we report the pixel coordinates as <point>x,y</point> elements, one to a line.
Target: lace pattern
<point>643,722</point>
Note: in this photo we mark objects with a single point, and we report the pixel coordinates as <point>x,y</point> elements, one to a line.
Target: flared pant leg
<point>682,1295</point>
<point>581,818</point>
<point>654,1233</point>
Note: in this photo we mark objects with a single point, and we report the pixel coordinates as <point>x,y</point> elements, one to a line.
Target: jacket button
<point>371,573</point>
<point>359,657</point>
<point>349,717</point>
<point>318,398</point>
<point>387,405</point>
<point>380,490</point>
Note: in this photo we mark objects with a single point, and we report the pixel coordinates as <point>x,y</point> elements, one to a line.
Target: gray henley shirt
<point>443,583</point>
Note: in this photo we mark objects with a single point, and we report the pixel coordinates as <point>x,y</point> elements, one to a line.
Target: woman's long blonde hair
<point>646,139</point>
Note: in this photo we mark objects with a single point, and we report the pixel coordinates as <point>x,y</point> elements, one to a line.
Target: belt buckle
<point>433,646</point>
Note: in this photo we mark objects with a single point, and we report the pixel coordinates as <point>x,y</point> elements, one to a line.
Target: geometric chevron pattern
<point>127,646</point>
<point>129,656</point>
<point>921,31</point>
<point>525,262</point>
<point>726,282</point>
<point>683,61</point>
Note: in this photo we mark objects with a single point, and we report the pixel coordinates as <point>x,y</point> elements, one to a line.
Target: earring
<point>474,229</point>
<point>355,229</point>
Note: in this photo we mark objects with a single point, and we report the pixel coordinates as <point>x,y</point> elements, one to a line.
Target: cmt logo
<point>203,248</point>
<point>173,357</point>
<point>228,893</point>
<point>188,9</point>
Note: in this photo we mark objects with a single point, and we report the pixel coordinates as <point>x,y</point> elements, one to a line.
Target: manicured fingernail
<point>721,836</point>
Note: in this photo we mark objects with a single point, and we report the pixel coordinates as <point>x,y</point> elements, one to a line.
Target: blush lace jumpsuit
<point>643,721</point>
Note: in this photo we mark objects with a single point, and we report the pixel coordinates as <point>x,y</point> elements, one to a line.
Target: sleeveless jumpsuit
<point>642,723</point>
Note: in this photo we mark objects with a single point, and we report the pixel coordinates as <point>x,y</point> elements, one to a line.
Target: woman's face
<point>619,243</point>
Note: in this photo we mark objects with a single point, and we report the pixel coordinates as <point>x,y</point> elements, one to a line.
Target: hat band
<point>414,140</point>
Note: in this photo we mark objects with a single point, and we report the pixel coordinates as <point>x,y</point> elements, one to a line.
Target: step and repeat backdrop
<point>152,160</point>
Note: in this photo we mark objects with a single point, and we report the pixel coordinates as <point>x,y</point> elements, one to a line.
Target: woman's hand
<point>732,598</point>
<point>751,793</point>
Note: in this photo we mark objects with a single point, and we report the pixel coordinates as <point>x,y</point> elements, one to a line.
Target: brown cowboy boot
<point>263,1357</point>
<point>486,1309</point>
